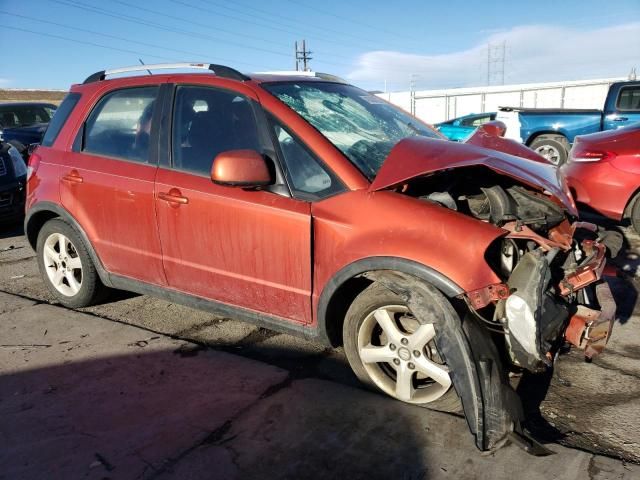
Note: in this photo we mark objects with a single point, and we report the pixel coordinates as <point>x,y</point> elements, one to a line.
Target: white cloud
<point>4,82</point>
<point>535,53</point>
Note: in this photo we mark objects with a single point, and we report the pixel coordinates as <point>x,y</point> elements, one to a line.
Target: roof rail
<point>219,70</point>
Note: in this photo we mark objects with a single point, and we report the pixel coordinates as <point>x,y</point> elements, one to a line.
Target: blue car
<point>460,128</point>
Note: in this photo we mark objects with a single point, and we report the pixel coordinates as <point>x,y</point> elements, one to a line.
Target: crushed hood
<point>417,156</point>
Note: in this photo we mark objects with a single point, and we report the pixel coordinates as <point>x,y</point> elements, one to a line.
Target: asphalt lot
<point>299,410</point>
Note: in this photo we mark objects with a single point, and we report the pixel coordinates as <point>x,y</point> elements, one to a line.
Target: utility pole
<point>412,93</point>
<point>496,54</point>
<point>302,57</point>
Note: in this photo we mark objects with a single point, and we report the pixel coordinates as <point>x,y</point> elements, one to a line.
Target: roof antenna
<point>142,63</point>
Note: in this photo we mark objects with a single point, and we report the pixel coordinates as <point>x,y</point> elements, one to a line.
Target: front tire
<point>66,266</point>
<point>391,351</point>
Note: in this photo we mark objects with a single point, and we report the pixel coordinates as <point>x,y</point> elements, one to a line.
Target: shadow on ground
<point>138,415</point>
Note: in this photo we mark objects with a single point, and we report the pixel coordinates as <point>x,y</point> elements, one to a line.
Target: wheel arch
<point>633,199</point>
<point>41,213</point>
<point>340,291</point>
<point>540,133</point>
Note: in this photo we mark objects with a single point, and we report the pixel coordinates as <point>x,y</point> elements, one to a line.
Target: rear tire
<point>66,266</point>
<point>554,148</point>
<point>404,355</point>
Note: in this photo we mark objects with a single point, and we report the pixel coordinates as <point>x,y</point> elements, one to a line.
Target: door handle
<point>620,119</point>
<point>72,177</point>
<point>173,196</point>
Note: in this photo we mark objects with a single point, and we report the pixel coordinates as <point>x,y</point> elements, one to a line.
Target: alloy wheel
<point>400,356</point>
<point>549,152</point>
<point>62,264</point>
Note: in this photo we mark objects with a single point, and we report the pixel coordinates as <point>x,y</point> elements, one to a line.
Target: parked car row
<point>21,125</point>
<point>550,132</point>
<point>307,205</point>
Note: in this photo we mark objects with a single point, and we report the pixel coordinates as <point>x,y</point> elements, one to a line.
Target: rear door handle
<point>173,196</point>
<point>72,177</point>
<point>620,119</point>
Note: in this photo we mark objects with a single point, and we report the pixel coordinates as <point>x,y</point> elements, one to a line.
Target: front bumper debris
<point>554,293</point>
<point>590,329</point>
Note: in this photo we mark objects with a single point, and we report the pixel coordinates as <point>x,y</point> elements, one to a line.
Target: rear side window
<point>120,124</point>
<point>59,118</point>
<point>629,98</point>
<point>475,121</point>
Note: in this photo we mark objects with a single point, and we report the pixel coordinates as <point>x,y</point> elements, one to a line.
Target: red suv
<point>309,206</point>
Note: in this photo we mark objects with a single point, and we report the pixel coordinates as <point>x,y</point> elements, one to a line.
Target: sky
<point>375,45</point>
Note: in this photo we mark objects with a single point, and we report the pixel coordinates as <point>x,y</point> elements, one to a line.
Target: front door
<point>107,184</point>
<point>242,247</point>
<point>626,109</point>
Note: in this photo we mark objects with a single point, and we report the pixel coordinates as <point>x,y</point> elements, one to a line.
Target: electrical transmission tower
<point>496,54</point>
<point>303,57</point>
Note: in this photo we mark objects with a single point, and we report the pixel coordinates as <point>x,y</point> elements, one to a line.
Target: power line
<point>295,21</point>
<point>377,28</point>
<point>191,22</point>
<point>164,27</point>
<point>84,42</point>
<point>269,25</point>
<point>169,28</point>
<point>128,40</point>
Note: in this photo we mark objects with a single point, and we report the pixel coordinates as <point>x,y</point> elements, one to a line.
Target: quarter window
<point>629,98</point>
<point>307,176</point>
<point>208,121</point>
<point>59,119</point>
<point>120,125</point>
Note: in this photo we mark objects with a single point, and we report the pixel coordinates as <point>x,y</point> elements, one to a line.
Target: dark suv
<point>13,177</point>
<point>304,204</point>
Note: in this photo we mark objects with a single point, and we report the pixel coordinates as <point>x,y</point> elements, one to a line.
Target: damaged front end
<point>552,270</point>
<point>548,268</point>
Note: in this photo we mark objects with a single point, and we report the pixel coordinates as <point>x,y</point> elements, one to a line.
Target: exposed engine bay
<point>551,268</point>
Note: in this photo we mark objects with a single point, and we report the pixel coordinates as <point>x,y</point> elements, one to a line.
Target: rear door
<point>249,248</point>
<point>107,182</point>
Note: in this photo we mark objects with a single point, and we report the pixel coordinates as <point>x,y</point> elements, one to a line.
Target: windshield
<point>364,127</point>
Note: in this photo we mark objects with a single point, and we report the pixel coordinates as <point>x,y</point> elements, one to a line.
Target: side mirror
<point>495,128</point>
<point>240,168</point>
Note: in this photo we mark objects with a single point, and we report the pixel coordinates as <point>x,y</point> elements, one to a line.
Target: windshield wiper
<point>414,129</point>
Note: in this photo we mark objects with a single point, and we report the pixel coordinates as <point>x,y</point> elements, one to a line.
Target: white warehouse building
<point>434,106</point>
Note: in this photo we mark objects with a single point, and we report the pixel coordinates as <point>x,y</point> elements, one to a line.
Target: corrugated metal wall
<point>435,106</point>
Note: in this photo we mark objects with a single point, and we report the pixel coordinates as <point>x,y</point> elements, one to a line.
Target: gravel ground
<point>593,406</point>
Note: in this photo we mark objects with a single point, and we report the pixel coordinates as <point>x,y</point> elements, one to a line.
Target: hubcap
<point>62,264</point>
<point>550,153</point>
<point>400,356</point>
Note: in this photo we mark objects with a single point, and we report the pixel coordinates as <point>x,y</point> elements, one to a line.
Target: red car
<point>603,172</point>
<point>312,207</point>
